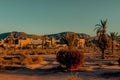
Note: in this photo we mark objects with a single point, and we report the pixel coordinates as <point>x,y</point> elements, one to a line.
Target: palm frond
<point>96,28</point>
<point>114,35</point>
<point>99,30</point>
<point>103,23</point>
<point>98,25</point>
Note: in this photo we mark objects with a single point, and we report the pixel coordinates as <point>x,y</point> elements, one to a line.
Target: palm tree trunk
<point>103,54</point>
<point>112,47</point>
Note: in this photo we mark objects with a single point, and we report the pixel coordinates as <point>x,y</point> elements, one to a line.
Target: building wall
<point>35,42</point>
<point>81,43</point>
<point>23,42</point>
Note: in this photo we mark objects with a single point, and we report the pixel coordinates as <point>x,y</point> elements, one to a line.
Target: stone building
<point>81,43</point>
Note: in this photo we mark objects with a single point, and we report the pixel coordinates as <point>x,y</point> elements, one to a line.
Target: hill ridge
<point>57,36</point>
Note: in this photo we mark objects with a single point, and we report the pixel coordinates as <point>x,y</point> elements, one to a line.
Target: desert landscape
<point>59,39</point>
<point>67,56</point>
<point>50,70</point>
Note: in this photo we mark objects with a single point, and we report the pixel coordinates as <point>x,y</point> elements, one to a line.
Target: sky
<point>54,16</point>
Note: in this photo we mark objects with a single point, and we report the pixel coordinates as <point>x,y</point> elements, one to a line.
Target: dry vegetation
<point>32,61</point>
<point>72,58</point>
<point>73,77</point>
<point>22,57</point>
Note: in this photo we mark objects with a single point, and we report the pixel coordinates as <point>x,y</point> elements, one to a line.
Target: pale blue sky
<point>53,16</point>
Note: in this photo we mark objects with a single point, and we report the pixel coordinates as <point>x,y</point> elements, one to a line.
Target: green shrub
<point>72,59</point>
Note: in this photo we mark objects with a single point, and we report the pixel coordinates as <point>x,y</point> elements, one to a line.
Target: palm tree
<point>102,37</point>
<point>101,28</point>
<point>114,37</point>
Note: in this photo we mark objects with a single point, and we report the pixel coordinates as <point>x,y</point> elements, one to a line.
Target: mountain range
<point>16,34</point>
<point>59,35</point>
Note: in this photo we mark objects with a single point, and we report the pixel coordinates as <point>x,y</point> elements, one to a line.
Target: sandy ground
<point>92,71</point>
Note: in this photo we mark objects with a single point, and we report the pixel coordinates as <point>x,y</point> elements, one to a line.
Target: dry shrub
<point>118,61</point>
<point>38,59</point>
<point>112,63</point>
<point>110,74</point>
<point>73,78</point>
<point>1,60</point>
<point>26,60</point>
<point>47,51</point>
<point>72,59</point>
<point>15,61</point>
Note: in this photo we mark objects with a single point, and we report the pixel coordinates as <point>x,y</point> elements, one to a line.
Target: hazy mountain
<point>16,34</point>
<point>59,35</point>
<point>25,35</point>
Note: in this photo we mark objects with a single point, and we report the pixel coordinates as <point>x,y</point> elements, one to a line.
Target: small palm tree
<point>102,37</point>
<point>114,37</point>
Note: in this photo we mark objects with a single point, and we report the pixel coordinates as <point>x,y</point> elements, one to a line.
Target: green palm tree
<point>101,28</point>
<point>102,36</point>
<point>114,37</point>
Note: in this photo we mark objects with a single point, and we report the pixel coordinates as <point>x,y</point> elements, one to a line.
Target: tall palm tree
<point>101,28</point>
<point>102,37</point>
<point>114,37</point>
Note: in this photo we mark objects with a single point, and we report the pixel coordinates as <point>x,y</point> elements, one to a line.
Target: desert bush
<point>73,78</point>
<point>1,60</point>
<point>15,61</point>
<point>110,74</point>
<point>38,59</point>
<point>119,61</point>
<point>112,63</point>
<point>72,59</point>
<point>26,60</point>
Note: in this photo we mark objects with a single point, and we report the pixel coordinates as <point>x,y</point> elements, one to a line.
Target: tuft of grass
<point>73,77</point>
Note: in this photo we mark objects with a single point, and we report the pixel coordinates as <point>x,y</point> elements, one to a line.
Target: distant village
<point>30,43</point>
<point>22,50</point>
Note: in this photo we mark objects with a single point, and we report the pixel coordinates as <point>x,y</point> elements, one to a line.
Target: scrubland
<point>41,64</point>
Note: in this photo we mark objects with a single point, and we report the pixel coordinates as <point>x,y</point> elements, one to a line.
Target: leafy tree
<point>113,37</point>
<point>89,43</point>
<point>102,36</point>
<point>70,39</point>
<point>44,41</point>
